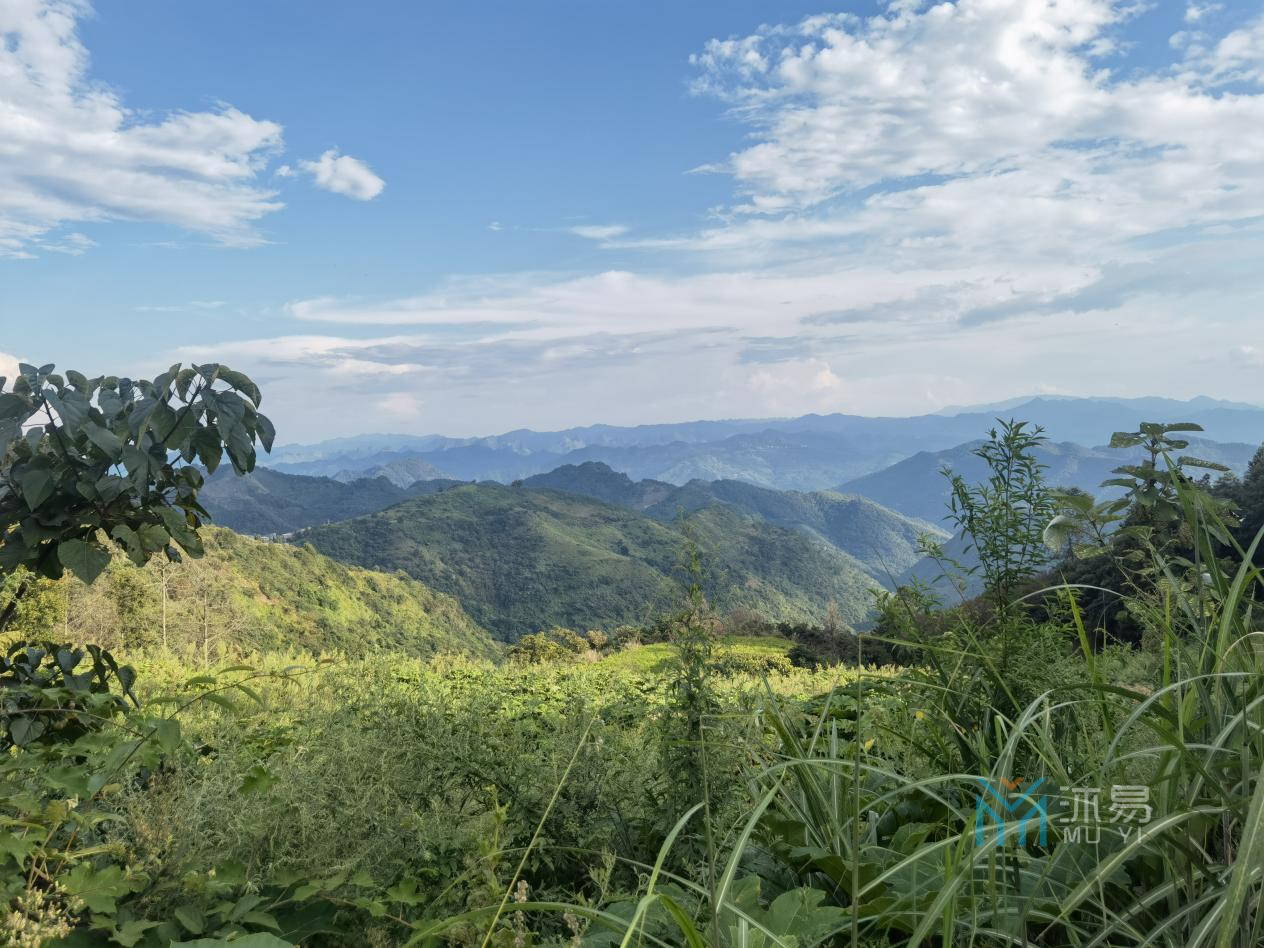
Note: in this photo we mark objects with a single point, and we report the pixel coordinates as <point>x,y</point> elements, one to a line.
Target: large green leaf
<point>37,484</point>
<point>256,940</point>
<point>86,560</point>
<point>104,439</point>
<point>62,446</point>
<point>99,889</point>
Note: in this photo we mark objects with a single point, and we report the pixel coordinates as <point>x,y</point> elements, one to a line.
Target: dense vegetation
<point>247,595</point>
<point>520,560</point>
<point>615,789</point>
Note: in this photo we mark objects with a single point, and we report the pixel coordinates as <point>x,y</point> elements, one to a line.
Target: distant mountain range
<point>917,487</point>
<point>403,472</point>
<point>882,541</point>
<point>813,452</point>
<point>586,527</point>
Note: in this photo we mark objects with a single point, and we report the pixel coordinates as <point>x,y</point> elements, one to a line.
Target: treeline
<point>821,644</point>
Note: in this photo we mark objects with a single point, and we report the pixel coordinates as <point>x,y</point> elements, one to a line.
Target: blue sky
<point>468,217</point>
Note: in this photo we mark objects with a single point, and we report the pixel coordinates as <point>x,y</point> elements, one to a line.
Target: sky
<point>468,217</point>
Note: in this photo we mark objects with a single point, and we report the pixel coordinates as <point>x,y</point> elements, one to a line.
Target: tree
<point>1111,544</point>
<point>830,643</point>
<point>1150,511</point>
<point>92,463</point>
<point>1003,519</point>
<point>555,645</point>
<point>1247,498</point>
<point>1150,486</point>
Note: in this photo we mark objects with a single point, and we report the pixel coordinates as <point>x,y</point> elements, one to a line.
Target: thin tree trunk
<point>163,574</point>
<point>11,608</point>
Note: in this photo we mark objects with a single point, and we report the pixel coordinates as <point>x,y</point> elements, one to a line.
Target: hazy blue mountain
<point>916,486</point>
<point>269,502</point>
<point>812,452</point>
<point>402,472</point>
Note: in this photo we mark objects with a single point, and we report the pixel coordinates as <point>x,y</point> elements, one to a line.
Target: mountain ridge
<point>916,487</point>
<point>885,542</point>
<point>810,452</point>
<point>520,559</point>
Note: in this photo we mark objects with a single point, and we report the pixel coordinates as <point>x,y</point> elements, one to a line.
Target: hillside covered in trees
<point>247,595</point>
<point>520,559</point>
<point>884,541</point>
<point>272,502</point>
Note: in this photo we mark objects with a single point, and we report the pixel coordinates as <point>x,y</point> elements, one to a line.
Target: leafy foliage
<point>246,595</point>
<point>47,694</point>
<point>83,458</point>
<point>1004,518</point>
<point>1152,487</point>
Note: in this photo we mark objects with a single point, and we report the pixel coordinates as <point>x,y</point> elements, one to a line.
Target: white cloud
<point>401,406</point>
<point>619,301</point>
<point>1248,355</point>
<point>345,175</point>
<point>970,93</point>
<point>72,152</point>
<point>1195,11</point>
<point>8,366</point>
<point>1239,57</point>
<point>599,231</point>
<point>909,354</point>
<point>192,304</point>
<point>72,244</point>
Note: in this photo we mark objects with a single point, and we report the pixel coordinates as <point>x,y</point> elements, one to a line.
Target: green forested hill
<point>522,559</point>
<point>253,594</point>
<point>884,541</point>
<point>270,502</point>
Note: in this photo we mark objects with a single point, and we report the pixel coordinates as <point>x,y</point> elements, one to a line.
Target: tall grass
<point>865,816</point>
